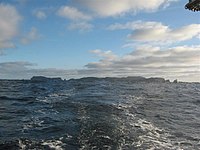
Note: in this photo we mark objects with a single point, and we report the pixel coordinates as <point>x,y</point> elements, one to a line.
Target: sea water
<point>99,114</point>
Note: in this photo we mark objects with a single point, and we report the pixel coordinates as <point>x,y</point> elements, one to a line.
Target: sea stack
<point>175,81</point>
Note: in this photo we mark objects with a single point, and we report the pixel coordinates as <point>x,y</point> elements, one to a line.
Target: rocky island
<point>45,79</point>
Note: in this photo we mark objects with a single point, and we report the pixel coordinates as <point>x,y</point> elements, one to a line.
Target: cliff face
<point>44,79</point>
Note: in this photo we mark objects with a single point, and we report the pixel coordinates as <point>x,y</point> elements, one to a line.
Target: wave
<point>16,98</point>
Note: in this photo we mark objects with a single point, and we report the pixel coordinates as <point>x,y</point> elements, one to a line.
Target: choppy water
<point>99,114</point>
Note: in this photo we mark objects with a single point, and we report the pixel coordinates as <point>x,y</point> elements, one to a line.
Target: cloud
<point>78,18</point>
<point>31,36</point>
<point>40,14</point>
<point>72,14</point>
<point>157,32</point>
<point>180,63</point>
<point>148,56</point>
<point>14,66</point>
<point>108,8</point>
<point>14,70</point>
<point>7,44</point>
<point>82,26</point>
<point>9,23</point>
<point>150,61</point>
<point>25,70</point>
<point>107,54</point>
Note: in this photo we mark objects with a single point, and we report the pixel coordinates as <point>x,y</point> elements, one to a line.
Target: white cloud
<point>9,22</point>
<point>157,32</point>
<point>73,14</point>
<point>79,20</point>
<point>31,36</point>
<point>107,54</point>
<point>152,61</point>
<point>40,14</point>
<point>108,57</point>
<point>82,26</point>
<point>107,8</point>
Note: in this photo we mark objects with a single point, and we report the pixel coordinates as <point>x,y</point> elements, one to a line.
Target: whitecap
<point>54,144</point>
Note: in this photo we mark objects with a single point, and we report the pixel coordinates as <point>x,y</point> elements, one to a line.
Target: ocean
<point>99,114</point>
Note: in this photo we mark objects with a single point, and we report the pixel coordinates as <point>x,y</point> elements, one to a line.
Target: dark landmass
<point>44,79</point>
<point>175,81</point>
<point>38,79</point>
<point>128,79</point>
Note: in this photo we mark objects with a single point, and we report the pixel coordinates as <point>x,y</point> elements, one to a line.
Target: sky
<point>99,38</point>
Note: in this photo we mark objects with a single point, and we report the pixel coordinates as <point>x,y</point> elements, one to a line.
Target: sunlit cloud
<point>156,32</point>
<point>105,8</point>
<point>151,61</point>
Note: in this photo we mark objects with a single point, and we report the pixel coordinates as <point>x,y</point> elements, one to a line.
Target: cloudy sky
<point>78,38</point>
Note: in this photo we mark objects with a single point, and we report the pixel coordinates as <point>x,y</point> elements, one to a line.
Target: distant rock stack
<point>168,81</point>
<point>175,81</point>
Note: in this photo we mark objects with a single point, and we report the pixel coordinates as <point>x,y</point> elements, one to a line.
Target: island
<point>45,79</point>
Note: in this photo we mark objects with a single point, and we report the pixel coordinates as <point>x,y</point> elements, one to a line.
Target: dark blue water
<point>99,114</point>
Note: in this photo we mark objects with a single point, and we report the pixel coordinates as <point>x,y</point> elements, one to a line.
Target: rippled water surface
<point>99,114</point>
